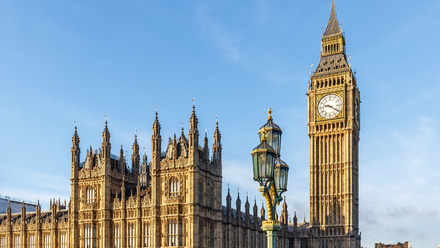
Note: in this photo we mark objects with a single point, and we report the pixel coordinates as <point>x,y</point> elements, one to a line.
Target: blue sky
<point>63,61</point>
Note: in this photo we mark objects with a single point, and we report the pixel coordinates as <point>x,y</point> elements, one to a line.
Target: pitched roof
<point>333,24</point>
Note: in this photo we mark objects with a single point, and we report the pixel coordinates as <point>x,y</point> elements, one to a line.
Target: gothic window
<point>174,186</point>
<point>175,233</point>
<point>46,240</point>
<point>2,242</point>
<point>31,243</point>
<point>90,236</point>
<point>201,192</point>
<point>63,240</point>
<point>131,235</point>
<point>17,241</point>
<point>116,236</point>
<point>147,238</point>
<point>90,194</point>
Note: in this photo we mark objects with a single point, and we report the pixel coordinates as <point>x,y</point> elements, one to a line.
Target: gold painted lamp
<point>272,174</point>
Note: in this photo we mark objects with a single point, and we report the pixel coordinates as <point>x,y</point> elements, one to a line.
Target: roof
<point>333,24</point>
<point>15,206</point>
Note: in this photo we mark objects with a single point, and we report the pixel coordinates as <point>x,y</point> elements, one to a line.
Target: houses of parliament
<point>175,199</point>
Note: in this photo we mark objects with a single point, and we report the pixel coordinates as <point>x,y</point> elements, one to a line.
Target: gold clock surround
<point>340,115</point>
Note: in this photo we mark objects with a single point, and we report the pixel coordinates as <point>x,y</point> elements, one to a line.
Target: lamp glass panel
<point>269,165</point>
<point>262,165</point>
<point>255,163</point>
<point>277,178</point>
<point>276,141</point>
<point>269,137</point>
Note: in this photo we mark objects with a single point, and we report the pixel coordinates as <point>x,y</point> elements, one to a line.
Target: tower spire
<point>106,146</point>
<point>333,24</point>
<point>135,158</point>
<point>156,142</point>
<point>75,152</point>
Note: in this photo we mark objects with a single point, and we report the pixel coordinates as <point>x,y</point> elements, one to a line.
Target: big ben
<point>334,124</point>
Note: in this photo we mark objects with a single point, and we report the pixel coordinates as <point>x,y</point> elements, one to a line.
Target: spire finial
<point>105,119</point>
<point>135,132</point>
<point>75,123</point>
<point>193,100</point>
<point>155,107</point>
<point>269,118</point>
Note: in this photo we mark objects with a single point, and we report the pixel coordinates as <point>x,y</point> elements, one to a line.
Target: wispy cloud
<point>224,40</point>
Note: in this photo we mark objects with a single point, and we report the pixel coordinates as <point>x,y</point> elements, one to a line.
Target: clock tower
<point>334,124</point>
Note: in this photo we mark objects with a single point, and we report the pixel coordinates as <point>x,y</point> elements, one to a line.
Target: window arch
<point>174,186</point>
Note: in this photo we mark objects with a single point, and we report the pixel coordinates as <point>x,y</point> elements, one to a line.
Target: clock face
<point>330,106</point>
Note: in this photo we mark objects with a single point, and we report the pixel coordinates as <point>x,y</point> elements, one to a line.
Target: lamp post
<point>272,174</point>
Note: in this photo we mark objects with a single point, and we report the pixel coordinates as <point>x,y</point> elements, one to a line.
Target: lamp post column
<point>271,228</point>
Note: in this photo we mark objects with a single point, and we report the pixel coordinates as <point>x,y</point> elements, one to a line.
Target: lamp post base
<point>271,228</point>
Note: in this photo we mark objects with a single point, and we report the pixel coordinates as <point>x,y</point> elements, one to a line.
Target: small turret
<point>284,213</point>
<point>205,146</point>
<point>217,146</point>
<point>255,209</point>
<point>156,141</point>
<point>23,211</point>
<point>262,212</point>
<point>247,207</point>
<point>122,164</point>
<point>8,210</point>
<point>238,208</point>
<point>295,222</point>
<point>75,154</point>
<point>105,145</point>
<point>193,138</point>
<point>135,158</point>
<point>228,203</point>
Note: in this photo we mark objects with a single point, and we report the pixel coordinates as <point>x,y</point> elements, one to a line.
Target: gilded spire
<point>333,24</point>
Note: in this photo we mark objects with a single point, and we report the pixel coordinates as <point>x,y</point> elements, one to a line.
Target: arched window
<point>90,194</point>
<point>175,233</point>
<point>174,186</point>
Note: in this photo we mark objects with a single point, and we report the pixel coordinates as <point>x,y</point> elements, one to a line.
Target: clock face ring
<point>330,106</point>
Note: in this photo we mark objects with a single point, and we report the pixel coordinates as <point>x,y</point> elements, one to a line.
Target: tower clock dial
<point>330,106</point>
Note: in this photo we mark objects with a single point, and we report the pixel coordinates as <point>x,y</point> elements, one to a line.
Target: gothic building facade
<point>175,199</point>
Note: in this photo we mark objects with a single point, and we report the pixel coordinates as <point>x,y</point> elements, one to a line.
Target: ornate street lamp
<point>272,174</point>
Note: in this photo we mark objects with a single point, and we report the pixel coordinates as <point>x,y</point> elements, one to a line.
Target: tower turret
<point>262,212</point>
<point>193,138</point>
<point>156,141</point>
<point>284,214</point>
<point>247,207</point>
<point>217,148</point>
<point>75,154</point>
<point>205,147</point>
<point>135,158</point>
<point>228,204</point>
<point>238,208</point>
<point>122,164</point>
<point>106,146</point>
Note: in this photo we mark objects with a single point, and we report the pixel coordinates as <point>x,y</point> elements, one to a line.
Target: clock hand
<point>330,106</point>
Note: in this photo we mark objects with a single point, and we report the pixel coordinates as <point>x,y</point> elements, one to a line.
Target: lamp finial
<point>269,118</point>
